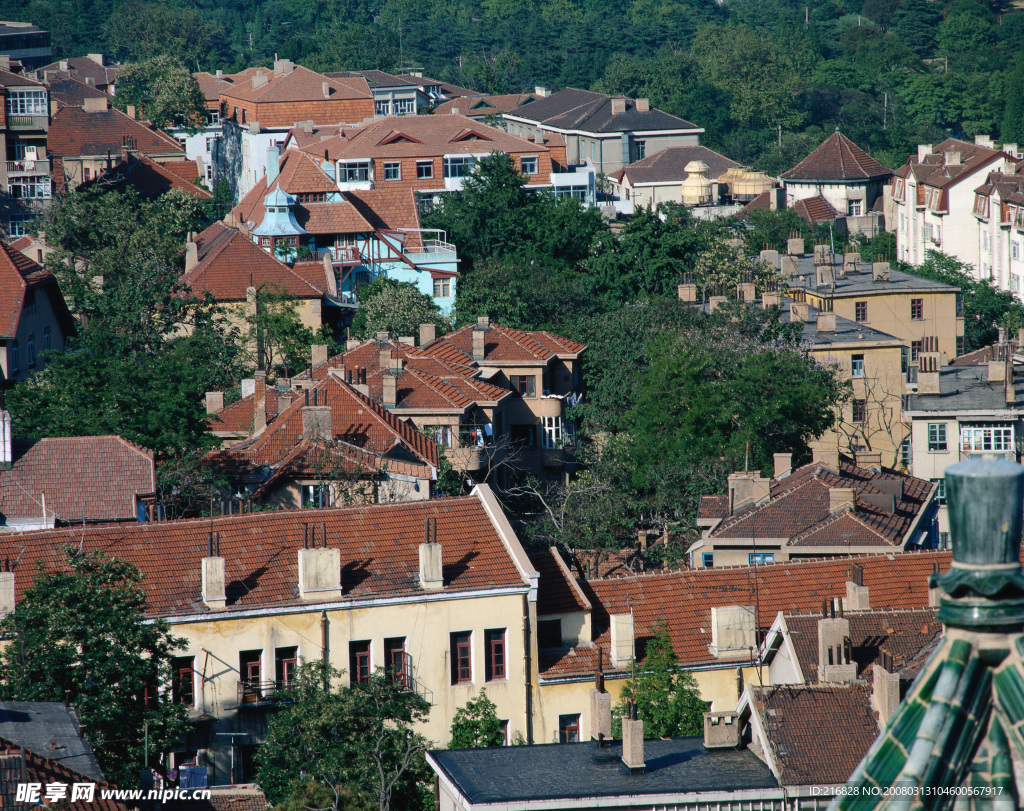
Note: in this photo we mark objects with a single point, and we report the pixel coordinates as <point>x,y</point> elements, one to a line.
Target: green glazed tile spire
<point>984,512</point>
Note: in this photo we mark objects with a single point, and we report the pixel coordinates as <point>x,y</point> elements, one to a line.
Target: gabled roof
<point>18,275</point>
<point>798,509</point>
<point>297,85</point>
<point>379,546</point>
<point>74,132</point>
<point>93,478</point>
<point>669,165</point>
<point>816,209</point>
<point>230,262</point>
<point>503,345</point>
<point>11,79</point>
<point>151,179</point>
<point>376,78</point>
<point>557,592</point>
<point>585,110</point>
<point>485,105</point>
<point>80,69</point>
<point>70,92</point>
<point>838,159</point>
<point>684,599</point>
<point>938,170</point>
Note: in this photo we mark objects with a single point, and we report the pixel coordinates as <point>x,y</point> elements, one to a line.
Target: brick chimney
<point>633,742</point>
<point>214,402</point>
<point>259,406</point>
<point>213,574</point>
<point>428,333</point>
<point>431,569</point>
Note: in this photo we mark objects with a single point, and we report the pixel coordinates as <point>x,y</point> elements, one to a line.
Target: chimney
<point>633,741</point>
<point>6,593</point>
<point>923,150</point>
<point>826,322</point>
<point>258,80</point>
<point>326,88</point>
<point>538,137</point>
<point>746,292</point>
<point>857,597</point>
<point>769,256</point>
<point>771,299</point>
<point>840,498</point>
<point>928,374</point>
<point>783,464</point>
<point>618,106</point>
<point>825,457</point>
<point>715,302</point>
<point>851,263</point>
<point>885,693</point>
<point>284,400</point>
<point>191,255</point>
<point>390,390</point>
<point>733,632</point>
<point>6,440</point>
<point>880,271</point>
<point>747,487</point>
<point>316,423</point>
<point>834,651</point>
<point>983,140</point>
<point>480,341</point>
<point>952,158</point>
<point>600,706</point>
<point>384,358</point>
<point>643,105</point>
<point>130,111</point>
<point>273,163</point>
<point>319,354</point>
<point>868,460</point>
<point>623,641</point>
<point>795,246</point>
<point>428,333</point>
<point>220,75</point>
<point>996,371</point>
<point>406,340</point>
<point>259,406</point>
<point>320,571</point>
<point>722,730</point>
<point>63,64</point>
<point>799,312</point>
<point>688,293</point>
<point>95,105</point>
<point>431,571</point>
<point>213,574</point>
<point>214,402</point>
<point>97,58</point>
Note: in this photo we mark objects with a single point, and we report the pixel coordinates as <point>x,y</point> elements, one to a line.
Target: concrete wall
<point>35,320</point>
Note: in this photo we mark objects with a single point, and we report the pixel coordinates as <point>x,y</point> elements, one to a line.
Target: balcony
<point>340,256</point>
<point>28,167</point>
<point>260,693</point>
<point>472,458</point>
<point>28,122</point>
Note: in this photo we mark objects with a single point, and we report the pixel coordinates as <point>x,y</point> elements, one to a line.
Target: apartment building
<point>260,108</point>
<point>999,217</point>
<point>407,94</point>
<point>934,204</point>
<point>605,132</point>
<point>25,172</point>
<point>25,42</point>
<point>91,70</point>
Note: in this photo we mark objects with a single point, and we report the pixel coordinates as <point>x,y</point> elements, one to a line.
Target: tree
<point>276,337</point>
<point>163,91</point>
<point>136,31</point>
<point>357,742</point>
<point>388,305</point>
<point>668,700</point>
<point>81,632</point>
<point>476,724</point>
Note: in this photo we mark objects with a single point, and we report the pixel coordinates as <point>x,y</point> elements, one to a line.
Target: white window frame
<point>552,436</point>
<point>529,164</point>
<point>393,170</point>
<point>458,165</point>
<point>940,443</point>
<point>17,224</point>
<point>442,288</point>
<point>27,102</point>
<point>354,172</point>
<point>424,170</point>
<point>856,366</point>
<point>986,438</point>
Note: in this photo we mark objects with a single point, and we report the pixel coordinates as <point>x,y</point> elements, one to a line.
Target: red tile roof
<point>484,105</point>
<point>816,209</point>
<point>223,798</point>
<point>68,92</point>
<point>557,592</point>
<point>41,769</point>
<point>82,68</point>
<point>503,344</point>
<point>230,262</point>
<point>798,509</point>
<point>379,553</point>
<point>937,170</point>
<point>837,158</point>
<point>18,275</point>
<point>75,132</point>
<point>297,85</point>
<point>684,599</point>
<point>151,179</point>
<point>92,478</point>
<point>818,735</point>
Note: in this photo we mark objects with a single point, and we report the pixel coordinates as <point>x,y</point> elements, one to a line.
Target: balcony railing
<point>257,693</point>
<point>28,167</point>
<point>27,122</point>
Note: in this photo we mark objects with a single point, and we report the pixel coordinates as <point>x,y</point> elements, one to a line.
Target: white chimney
<point>834,650</point>
<point>622,638</point>
<point>428,333</point>
<point>320,574</point>
<point>214,402</point>
<point>783,464</point>
<point>431,569</point>
<point>319,354</point>
<point>191,255</point>
<point>6,440</point>
<point>6,593</point>
<point>886,694</point>
<point>213,581</point>
<point>326,87</point>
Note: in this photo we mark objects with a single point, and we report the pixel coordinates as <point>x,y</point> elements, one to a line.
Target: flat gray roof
<point>38,724</point>
<point>967,388</point>
<point>854,283</point>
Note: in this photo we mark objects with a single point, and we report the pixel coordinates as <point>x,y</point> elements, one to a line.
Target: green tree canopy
<point>476,724</point>
<point>163,91</point>
<point>82,632</point>
<point>388,305</point>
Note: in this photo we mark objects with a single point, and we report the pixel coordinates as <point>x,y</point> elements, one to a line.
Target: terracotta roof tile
<point>557,589</point>
<point>713,507</point>
<point>18,274</point>
<point>684,599</point>
<point>485,105</point>
<point>937,170</point>
<point>151,179</point>
<point>75,132</point>
<point>81,68</point>
<point>379,552</point>
<point>41,769</point>
<point>84,478</point>
<point>837,158</point>
<point>223,798</point>
<point>816,209</point>
<point>68,92</point>
<point>297,85</point>
<point>669,165</point>
<point>504,344</point>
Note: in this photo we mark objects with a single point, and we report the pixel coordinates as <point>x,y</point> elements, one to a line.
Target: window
<point>458,165</point>
<point>915,350</point>
<point>641,150</point>
<point>403,107</point>
<point>393,171</point>
<point>927,202</point>
<point>855,208</point>
<point>523,435</point>
<point>462,657</point>
<point>860,310</point>
<point>568,728</point>
<point>860,410</point>
<point>981,438</point>
<point>1014,249</point>
<point>552,432</point>
<point>316,495</point>
<point>525,385</point>
<point>959,305</point>
<point>940,491</point>
<point>494,652</point>
<point>266,242</point>
<point>917,309</point>
<point>30,187</point>
<point>442,434</point>
<point>31,350</point>
<point>249,671</point>
<point>183,681</point>
<point>857,366</point>
<point>549,633</point>
<point>209,144</point>
<point>46,339</point>
<point>707,560</point>
<point>424,170</point>
<point>14,356</point>
<point>959,345</point>
<point>27,102</point>
<point>243,115</point>
<point>359,661</point>
<point>906,453</point>
<point>528,164</point>
<point>17,224</point>
<point>937,437</point>
<point>442,288</point>
<point>286,663</point>
<point>504,732</point>
<point>354,172</point>
<point>760,558</point>
<point>382,107</point>
<point>904,359</point>
<point>396,661</point>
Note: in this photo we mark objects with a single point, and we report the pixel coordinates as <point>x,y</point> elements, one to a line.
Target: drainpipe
<point>323,645</point>
<point>527,644</point>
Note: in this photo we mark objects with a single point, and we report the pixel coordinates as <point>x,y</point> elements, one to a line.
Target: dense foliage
<point>78,634</point>
<point>767,79</point>
<point>476,724</point>
<point>387,305</point>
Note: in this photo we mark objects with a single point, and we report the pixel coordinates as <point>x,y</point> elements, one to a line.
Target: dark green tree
<point>163,91</point>
<point>476,724</point>
<point>388,305</point>
<point>81,631</point>
<point>667,698</point>
<point>357,742</point>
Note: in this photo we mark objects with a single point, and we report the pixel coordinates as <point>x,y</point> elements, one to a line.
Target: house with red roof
<point>34,318</point>
<point>839,180</point>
